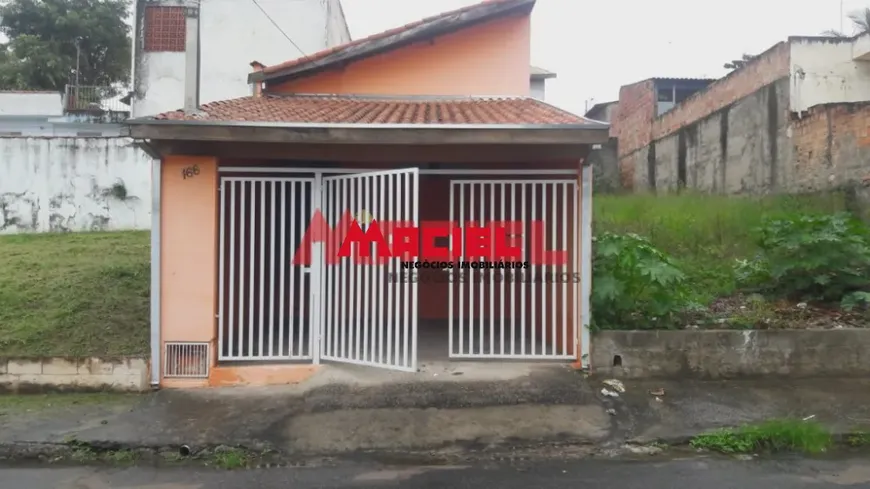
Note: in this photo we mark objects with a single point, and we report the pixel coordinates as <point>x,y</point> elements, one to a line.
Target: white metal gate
<point>517,313</point>
<point>368,316</point>
<point>264,300</point>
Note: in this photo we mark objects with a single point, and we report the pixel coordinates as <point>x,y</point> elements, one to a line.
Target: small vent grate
<point>186,360</point>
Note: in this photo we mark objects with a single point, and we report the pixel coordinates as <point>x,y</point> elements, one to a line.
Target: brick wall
<point>770,66</point>
<point>831,146</point>
<point>631,125</point>
<point>35,374</point>
<point>631,120</point>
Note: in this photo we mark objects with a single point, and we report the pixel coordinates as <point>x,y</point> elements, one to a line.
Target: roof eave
<point>542,76</point>
<point>436,27</point>
<point>373,134</point>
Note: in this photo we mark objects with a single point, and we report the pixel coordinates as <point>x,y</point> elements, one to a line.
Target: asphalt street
<point>703,473</point>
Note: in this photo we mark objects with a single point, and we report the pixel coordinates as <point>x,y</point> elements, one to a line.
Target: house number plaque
<point>190,171</point>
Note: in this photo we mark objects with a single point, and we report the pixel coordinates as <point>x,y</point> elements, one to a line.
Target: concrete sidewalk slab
<point>344,410</point>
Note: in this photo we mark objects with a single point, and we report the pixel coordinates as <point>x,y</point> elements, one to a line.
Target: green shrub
<point>822,257</point>
<point>705,232</point>
<point>635,284</point>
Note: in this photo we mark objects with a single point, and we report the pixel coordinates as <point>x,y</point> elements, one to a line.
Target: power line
<point>278,27</point>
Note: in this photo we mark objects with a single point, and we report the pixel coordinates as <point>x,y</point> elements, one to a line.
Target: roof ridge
<point>567,112</point>
<point>395,97</point>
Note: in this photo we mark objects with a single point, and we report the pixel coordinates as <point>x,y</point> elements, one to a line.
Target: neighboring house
<point>48,113</point>
<point>602,112</point>
<point>539,77</point>
<point>432,121</point>
<point>792,120</point>
<point>226,34</point>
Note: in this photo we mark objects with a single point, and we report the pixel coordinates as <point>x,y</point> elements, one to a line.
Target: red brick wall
<point>633,115</point>
<point>632,125</point>
<point>771,65</point>
<point>831,144</point>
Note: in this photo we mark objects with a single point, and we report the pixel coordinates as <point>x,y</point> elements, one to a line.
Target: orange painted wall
<point>188,252</point>
<point>489,59</point>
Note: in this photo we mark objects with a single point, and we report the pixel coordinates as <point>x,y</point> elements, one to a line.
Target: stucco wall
<point>188,250</point>
<point>538,89</point>
<point>66,184</point>
<point>823,71</point>
<point>494,60</point>
<point>744,147</point>
<point>605,167</point>
<point>232,34</point>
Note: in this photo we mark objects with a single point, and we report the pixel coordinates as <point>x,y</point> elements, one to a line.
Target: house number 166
<point>190,172</point>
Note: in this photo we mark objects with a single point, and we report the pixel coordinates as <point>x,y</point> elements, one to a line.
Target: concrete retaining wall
<point>727,354</point>
<point>36,374</point>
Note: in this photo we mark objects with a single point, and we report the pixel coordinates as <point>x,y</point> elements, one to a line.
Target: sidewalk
<point>343,410</point>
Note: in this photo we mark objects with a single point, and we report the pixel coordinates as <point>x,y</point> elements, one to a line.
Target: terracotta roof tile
<point>313,58</point>
<point>345,109</point>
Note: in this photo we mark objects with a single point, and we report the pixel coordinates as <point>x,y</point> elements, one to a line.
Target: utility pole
<point>76,101</point>
<point>78,59</point>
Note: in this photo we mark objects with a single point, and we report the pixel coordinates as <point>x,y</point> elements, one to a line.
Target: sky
<point>597,46</point>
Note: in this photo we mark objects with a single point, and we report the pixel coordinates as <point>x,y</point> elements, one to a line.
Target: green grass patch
<point>74,294</point>
<point>858,439</point>
<point>11,403</point>
<point>120,457</point>
<point>705,233</point>
<point>784,435</point>
<point>231,459</point>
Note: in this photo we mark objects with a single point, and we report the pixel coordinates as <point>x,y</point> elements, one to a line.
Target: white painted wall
<point>234,33</point>
<point>31,103</point>
<point>538,89</point>
<point>61,184</point>
<point>824,71</point>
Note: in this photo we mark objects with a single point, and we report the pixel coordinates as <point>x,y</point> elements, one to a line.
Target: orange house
<point>428,122</point>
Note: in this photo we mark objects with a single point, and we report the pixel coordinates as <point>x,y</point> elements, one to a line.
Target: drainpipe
<point>156,347</point>
<point>585,260</point>
<point>257,86</point>
<point>192,58</point>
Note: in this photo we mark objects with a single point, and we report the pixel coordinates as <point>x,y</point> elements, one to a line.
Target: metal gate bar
<point>493,323</point>
<point>263,297</point>
<point>370,313</point>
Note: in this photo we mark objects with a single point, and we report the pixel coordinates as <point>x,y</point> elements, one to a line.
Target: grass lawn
<point>76,294</point>
<point>705,233</point>
<point>21,403</point>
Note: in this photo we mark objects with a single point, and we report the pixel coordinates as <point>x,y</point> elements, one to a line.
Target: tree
<point>860,25</point>
<point>49,38</point>
<point>740,63</point>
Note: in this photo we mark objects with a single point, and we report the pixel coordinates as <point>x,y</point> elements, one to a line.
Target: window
<point>666,94</point>
<point>165,29</point>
